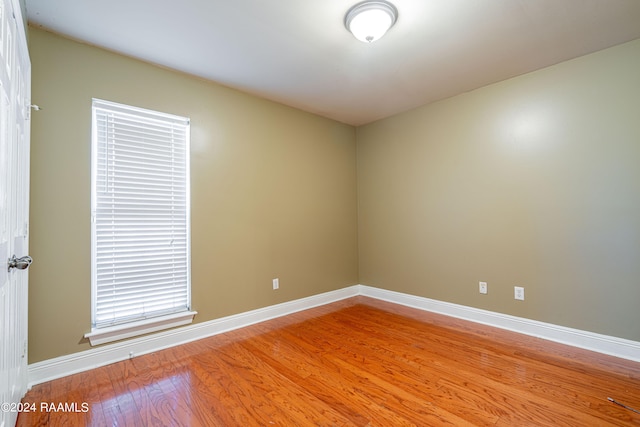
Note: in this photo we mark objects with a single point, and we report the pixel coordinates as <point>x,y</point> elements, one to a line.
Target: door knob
<point>21,263</point>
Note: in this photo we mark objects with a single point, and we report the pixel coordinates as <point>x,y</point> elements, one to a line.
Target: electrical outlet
<point>276,283</point>
<point>483,287</point>
<point>518,293</point>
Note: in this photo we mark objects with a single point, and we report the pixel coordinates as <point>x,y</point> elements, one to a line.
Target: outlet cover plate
<point>483,287</point>
<point>518,293</point>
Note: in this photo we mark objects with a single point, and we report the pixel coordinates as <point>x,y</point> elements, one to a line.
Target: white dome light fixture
<point>370,20</point>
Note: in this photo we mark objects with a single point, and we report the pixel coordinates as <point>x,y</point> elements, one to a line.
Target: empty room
<point>328,213</point>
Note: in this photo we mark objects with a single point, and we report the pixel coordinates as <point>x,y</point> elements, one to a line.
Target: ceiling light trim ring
<point>370,5</point>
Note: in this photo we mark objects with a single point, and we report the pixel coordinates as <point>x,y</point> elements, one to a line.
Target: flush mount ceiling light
<point>370,20</point>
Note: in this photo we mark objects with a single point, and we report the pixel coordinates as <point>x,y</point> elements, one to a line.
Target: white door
<point>15,77</point>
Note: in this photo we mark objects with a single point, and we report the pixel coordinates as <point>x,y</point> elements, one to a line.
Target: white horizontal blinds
<point>140,214</point>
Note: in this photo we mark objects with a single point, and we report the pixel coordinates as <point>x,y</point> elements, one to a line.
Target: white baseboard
<point>59,367</point>
<point>605,344</point>
<point>78,362</point>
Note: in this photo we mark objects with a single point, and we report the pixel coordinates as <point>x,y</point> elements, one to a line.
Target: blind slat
<point>140,227</point>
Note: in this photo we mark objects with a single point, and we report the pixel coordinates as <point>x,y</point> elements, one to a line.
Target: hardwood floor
<point>358,362</point>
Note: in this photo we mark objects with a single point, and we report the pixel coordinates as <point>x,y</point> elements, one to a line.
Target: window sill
<point>128,330</point>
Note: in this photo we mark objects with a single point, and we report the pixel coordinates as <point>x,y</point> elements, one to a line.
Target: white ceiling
<point>298,52</point>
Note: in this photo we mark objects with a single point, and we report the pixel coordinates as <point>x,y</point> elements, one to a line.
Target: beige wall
<point>534,181</point>
<point>273,191</point>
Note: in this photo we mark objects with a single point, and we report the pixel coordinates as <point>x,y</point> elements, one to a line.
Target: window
<point>140,248</point>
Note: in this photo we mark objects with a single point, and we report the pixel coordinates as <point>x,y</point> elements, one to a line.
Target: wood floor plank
<point>354,370</point>
<point>407,376</point>
<point>347,382</point>
<point>379,351</point>
<point>467,376</point>
<point>35,417</point>
<point>357,362</point>
<point>103,401</point>
<point>533,375</point>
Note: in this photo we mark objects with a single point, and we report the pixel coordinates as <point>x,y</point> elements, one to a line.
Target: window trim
<point>132,329</point>
<point>126,329</point>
